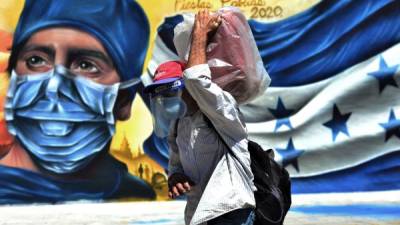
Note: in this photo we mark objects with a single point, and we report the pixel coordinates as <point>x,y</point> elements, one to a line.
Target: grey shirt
<point>222,183</point>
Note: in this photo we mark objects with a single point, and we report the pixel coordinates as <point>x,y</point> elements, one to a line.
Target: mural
<point>68,82</point>
<point>331,113</point>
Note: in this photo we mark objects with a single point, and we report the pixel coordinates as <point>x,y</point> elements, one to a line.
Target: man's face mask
<point>166,107</point>
<point>63,120</point>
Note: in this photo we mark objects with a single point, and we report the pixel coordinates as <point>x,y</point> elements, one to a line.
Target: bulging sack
<point>232,55</point>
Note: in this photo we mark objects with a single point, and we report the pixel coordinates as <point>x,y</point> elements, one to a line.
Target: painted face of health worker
<point>74,70</point>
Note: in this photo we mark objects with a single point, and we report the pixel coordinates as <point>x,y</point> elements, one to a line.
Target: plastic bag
<point>232,55</point>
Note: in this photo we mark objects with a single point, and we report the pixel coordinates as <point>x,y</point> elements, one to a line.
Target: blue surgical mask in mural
<point>62,119</point>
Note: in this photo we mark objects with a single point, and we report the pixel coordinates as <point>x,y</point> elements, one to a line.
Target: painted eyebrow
<point>79,52</point>
<point>41,48</point>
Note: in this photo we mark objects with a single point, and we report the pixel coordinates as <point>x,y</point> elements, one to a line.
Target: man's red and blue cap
<point>167,77</point>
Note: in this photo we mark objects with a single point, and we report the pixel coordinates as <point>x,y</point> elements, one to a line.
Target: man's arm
<point>219,106</point>
<point>174,162</point>
<point>204,24</point>
<point>178,182</point>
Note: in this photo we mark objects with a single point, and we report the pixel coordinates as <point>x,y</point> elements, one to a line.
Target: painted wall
<point>332,111</point>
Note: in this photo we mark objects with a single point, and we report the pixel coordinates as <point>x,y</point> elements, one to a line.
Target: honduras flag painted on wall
<point>332,113</point>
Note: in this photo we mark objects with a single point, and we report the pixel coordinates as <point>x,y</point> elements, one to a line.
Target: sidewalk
<point>327,209</point>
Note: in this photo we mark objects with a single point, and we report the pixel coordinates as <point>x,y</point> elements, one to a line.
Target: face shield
<point>166,106</point>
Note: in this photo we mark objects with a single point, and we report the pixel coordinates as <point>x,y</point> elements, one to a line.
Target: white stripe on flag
<point>353,91</point>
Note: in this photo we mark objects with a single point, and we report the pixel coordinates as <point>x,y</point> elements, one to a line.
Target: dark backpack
<point>273,195</point>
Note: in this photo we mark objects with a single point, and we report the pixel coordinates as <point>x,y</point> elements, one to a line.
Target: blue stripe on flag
<point>326,39</point>
<point>378,174</point>
<point>166,31</point>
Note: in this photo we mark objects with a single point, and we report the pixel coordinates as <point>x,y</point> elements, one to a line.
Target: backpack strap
<point>176,127</point>
<point>262,170</point>
<point>210,124</point>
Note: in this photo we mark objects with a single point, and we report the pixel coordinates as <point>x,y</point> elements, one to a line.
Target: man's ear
<point>123,105</point>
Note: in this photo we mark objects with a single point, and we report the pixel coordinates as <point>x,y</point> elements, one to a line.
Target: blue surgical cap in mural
<point>120,25</point>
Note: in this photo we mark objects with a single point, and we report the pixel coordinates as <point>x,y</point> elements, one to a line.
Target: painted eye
<point>35,61</point>
<point>87,66</point>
